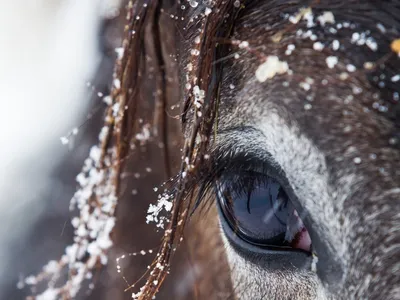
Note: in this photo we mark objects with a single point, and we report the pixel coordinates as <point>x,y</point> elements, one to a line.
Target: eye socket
<point>261,213</point>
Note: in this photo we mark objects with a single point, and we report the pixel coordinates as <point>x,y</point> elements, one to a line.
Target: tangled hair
<point>143,54</point>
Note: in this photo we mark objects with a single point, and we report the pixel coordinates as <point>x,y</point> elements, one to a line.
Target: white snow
<point>331,61</point>
<point>395,78</point>
<point>270,68</point>
<point>326,18</point>
<point>318,46</point>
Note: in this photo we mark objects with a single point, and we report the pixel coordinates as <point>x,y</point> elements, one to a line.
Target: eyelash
<point>237,174</point>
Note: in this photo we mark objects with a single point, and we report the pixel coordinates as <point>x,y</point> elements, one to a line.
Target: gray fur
<point>331,140</point>
<point>354,204</point>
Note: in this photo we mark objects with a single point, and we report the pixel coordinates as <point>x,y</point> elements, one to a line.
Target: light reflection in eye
<point>264,215</point>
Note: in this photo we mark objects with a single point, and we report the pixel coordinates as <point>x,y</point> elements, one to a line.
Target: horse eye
<point>263,215</point>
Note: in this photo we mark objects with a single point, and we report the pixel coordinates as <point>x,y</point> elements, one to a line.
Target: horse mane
<point>143,57</point>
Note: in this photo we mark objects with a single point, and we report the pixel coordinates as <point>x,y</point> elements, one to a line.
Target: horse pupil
<point>261,215</point>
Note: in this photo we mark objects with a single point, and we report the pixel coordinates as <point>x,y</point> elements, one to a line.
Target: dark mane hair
<point>144,58</point>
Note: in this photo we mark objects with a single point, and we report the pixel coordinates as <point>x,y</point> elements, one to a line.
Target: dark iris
<point>263,214</point>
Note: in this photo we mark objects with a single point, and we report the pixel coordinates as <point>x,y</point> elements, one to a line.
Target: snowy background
<point>49,51</point>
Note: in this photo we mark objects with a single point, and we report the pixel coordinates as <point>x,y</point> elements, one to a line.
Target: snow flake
<point>395,78</point>
<point>351,68</point>
<point>326,18</point>
<point>331,61</point>
<point>243,44</point>
<point>193,3</point>
<point>335,45</point>
<point>290,49</point>
<point>270,68</point>
<point>318,46</point>
<point>64,140</point>
<point>120,52</point>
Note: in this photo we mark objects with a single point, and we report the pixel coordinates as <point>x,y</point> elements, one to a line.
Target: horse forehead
<point>353,140</point>
<point>341,110</point>
<point>345,117</point>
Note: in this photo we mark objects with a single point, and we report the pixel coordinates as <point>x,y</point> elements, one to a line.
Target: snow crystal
<point>309,17</point>
<point>307,106</point>
<point>344,75</point>
<point>270,68</point>
<point>304,13</point>
<point>350,68</point>
<point>49,294</point>
<point>107,100</point>
<point>362,38</point>
<point>64,140</point>
<point>75,222</point>
<point>145,134</point>
<point>326,17</point>
<point>371,44</point>
<point>198,96</point>
<point>103,133</point>
<point>305,86</point>
<point>137,295</point>
<point>153,212</point>
<point>243,44</point>
<point>331,61</point>
<point>318,46</point>
<point>193,3</point>
<point>195,52</point>
<point>381,28</point>
<point>120,52</point>
<point>95,153</point>
<point>117,83</point>
<point>31,280</point>
<point>115,109</point>
<point>335,45</point>
<point>290,49</point>
<point>395,78</point>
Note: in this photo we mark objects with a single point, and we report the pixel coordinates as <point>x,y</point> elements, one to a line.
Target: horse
<point>288,176</point>
<point>291,121</point>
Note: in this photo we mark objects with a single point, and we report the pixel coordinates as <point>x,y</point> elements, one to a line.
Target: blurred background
<point>56,61</point>
<point>56,64</point>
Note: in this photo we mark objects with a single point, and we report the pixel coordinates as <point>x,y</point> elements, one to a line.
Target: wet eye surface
<point>261,213</point>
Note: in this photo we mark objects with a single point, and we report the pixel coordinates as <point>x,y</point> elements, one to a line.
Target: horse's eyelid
<point>245,161</point>
<point>233,160</point>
